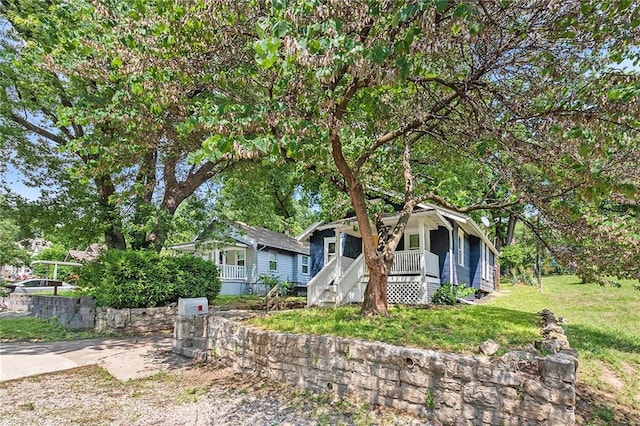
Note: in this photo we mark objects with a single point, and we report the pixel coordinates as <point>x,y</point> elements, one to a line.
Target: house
<point>246,253</point>
<point>89,254</point>
<point>439,246</point>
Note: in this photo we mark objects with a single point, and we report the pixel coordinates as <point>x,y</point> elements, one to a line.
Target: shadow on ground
<point>594,407</point>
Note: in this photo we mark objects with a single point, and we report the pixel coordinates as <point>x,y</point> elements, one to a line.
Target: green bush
<point>143,279</point>
<point>447,294</point>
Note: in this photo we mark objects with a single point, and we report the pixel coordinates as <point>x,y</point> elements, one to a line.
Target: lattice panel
<point>409,293</point>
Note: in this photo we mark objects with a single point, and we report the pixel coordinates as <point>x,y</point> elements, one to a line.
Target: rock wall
<point>18,302</point>
<point>135,321</point>
<point>449,389</point>
<point>74,312</point>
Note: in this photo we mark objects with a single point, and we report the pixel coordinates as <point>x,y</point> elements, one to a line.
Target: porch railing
<point>414,262</point>
<point>233,272</point>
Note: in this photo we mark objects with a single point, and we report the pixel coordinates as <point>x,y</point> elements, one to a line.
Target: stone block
<point>489,347</point>
<point>413,394</point>
<point>499,376</point>
<point>559,366</point>
<point>448,384</point>
<point>416,376</point>
<point>447,399</point>
<point>448,416</point>
<point>477,394</point>
<point>561,416</point>
<point>536,390</point>
<point>533,410</point>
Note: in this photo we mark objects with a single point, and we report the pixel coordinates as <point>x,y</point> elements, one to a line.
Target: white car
<point>38,285</point>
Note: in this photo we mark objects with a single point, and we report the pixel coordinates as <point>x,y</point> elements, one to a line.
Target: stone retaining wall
<point>135,321</point>
<point>450,389</point>
<point>81,313</point>
<point>74,312</point>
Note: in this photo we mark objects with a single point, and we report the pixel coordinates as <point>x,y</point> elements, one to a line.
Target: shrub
<point>142,279</point>
<point>448,293</point>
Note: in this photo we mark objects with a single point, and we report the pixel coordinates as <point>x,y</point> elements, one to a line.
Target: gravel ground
<point>199,395</point>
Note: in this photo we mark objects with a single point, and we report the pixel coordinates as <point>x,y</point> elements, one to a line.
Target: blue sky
<point>15,181</point>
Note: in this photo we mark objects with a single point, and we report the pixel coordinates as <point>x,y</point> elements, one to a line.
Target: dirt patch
<point>198,395</point>
<point>594,407</point>
<point>609,376</point>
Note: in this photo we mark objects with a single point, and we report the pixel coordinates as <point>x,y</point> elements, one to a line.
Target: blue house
<point>439,246</point>
<point>245,253</point>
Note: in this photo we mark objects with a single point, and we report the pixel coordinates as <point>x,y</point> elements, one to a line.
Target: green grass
<point>31,329</point>
<point>603,325</point>
<point>459,329</point>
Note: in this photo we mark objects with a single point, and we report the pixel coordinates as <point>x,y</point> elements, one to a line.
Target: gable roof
<point>251,236</point>
<point>255,235</point>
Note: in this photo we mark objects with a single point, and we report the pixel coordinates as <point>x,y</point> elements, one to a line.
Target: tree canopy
<point>476,106</point>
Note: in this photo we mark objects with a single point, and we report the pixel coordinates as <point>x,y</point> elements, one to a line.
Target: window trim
<point>302,264</point>
<point>275,261</point>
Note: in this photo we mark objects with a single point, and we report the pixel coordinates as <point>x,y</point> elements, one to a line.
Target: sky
<point>15,181</point>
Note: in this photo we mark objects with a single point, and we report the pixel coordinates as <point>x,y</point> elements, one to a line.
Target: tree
<point>103,97</point>
<point>372,89</point>
<point>10,252</point>
<point>276,198</point>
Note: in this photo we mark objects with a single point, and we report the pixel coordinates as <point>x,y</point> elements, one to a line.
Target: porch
<point>232,272</point>
<point>413,262</point>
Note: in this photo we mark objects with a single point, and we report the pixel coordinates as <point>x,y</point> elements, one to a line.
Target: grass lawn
<point>31,329</point>
<point>604,327</point>
<point>456,329</point>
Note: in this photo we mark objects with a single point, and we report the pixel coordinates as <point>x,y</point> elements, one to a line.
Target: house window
<point>273,261</point>
<point>414,242</point>
<point>305,265</point>
<point>460,247</point>
<point>240,257</point>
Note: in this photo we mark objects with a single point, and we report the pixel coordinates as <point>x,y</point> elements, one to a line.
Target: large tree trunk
<point>110,214</point>
<point>375,296</point>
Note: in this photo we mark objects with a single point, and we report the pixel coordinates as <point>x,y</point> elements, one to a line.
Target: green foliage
<point>138,279</point>
<point>517,260</point>
<point>286,288</point>
<point>447,294</point>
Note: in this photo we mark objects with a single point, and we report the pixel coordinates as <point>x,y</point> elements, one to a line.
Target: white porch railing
<point>350,286</point>
<point>232,272</point>
<point>414,262</point>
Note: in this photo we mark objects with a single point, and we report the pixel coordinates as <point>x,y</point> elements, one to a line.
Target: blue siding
<point>285,262</point>
<point>351,246</point>
<point>475,267</point>
<point>317,249</point>
<point>440,246</point>
<point>462,271</point>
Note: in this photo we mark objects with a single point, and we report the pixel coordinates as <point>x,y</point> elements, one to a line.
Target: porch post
<point>338,233</point>
<point>452,278</point>
<point>423,248</point>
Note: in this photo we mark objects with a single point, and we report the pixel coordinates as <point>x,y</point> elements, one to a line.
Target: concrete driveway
<point>124,358</point>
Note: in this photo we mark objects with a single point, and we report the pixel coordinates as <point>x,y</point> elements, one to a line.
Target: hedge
<point>144,279</point>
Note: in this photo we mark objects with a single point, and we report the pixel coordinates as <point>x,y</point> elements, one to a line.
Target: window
<point>460,247</point>
<point>240,256</point>
<point>414,242</point>
<point>273,261</point>
<point>305,265</point>
<point>329,249</point>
